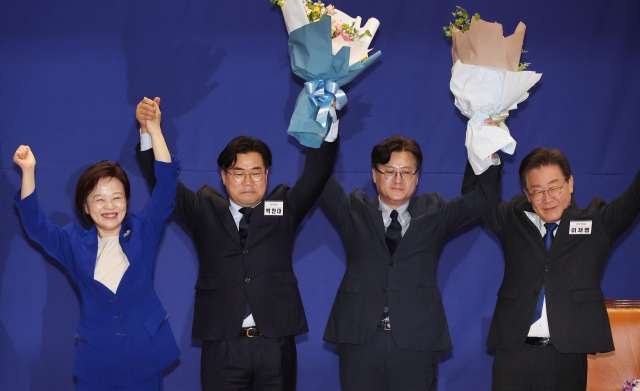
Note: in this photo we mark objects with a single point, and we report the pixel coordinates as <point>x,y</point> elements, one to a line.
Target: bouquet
<point>633,385</point>
<point>487,81</point>
<point>328,49</point>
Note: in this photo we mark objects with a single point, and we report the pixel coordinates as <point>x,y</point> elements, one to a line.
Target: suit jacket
<point>123,338</point>
<point>407,279</point>
<point>570,272</point>
<point>262,271</point>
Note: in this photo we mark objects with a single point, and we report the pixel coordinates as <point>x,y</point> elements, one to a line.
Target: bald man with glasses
<point>550,311</point>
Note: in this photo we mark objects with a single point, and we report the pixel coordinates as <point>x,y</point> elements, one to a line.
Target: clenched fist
<point>24,158</point>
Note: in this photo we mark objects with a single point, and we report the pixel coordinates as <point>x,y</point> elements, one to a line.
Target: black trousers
<point>539,368</point>
<point>249,364</point>
<point>381,365</point>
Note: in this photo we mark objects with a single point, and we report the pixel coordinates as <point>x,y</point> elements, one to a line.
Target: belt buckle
<point>386,325</point>
<point>252,332</point>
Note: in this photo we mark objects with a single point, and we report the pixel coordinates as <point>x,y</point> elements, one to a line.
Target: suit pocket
<point>285,278</point>
<point>428,293</point>
<point>91,336</point>
<point>586,295</point>
<point>208,283</point>
<point>508,292</point>
<point>157,318</point>
<point>349,285</point>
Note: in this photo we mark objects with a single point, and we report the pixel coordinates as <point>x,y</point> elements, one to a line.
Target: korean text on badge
<point>273,208</point>
<point>580,227</point>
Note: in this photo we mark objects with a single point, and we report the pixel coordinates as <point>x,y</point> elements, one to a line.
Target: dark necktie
<point>243,229</point>
<point>393,236</point>
<point>394,232</point>
<point>548,239</point>
<point>243,225</point>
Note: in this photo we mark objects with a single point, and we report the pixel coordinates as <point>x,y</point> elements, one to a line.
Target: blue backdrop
<point>72,71</point>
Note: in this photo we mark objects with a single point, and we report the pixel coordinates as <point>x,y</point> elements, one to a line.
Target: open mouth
<point>109,215</point>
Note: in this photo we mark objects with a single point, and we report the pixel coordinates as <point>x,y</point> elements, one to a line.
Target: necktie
<point>394,232</point>
<point>548,238</point>
<point>243,226</point>
<point>393,237</point>
<point>243,229</point>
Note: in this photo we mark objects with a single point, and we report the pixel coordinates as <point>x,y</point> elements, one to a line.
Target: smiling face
<point>107,206</point>
<point>396,192</point>
<point>246,193</point>
<point>549,208</point>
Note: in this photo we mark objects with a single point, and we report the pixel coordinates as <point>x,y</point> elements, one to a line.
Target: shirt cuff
<point>332,135</point>
<point>145,141</point>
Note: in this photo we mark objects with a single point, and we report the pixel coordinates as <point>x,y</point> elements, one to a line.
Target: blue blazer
<point>123,338</point>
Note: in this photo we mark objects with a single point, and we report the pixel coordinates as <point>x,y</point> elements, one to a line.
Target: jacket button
<point>117,301</point>
<point>245,251</point>
<point>546,268</point>
<point>390,263</point>
<point>247,279</point>
<point>119,317</point>
<point>384,290</point>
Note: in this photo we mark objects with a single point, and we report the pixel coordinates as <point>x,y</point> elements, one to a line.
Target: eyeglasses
<point>390,173</point>
<point>538,195</point>
<point>238,176</point>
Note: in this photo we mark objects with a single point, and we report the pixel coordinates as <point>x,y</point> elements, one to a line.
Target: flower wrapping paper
<point>316,56</point>
<point>486,84</point>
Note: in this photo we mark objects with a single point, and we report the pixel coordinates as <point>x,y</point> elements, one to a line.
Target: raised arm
<point>152,126</point>
<point>318,168</point>
<point>480,195</point>
<point>25,159</point>
<point>147,112</point>
<point>39,229</point>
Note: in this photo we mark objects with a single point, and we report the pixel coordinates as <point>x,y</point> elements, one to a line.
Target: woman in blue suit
<point>123,340</point>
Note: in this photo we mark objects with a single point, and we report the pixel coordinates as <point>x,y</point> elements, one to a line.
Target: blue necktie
<point>548,238</point>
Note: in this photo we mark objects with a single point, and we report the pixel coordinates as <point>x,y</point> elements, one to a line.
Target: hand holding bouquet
<point>328,49</point>
<point>487,81</point>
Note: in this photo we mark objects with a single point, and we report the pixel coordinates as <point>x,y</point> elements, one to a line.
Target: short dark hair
<point>540,157</point>
<point>243,144</point>
<point>381,153</point>
<point>89,181</point>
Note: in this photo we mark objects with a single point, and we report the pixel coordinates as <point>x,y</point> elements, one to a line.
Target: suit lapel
<point>87,269</point>
<point>125,236</point>
<point>571,213</point>
<point>376,219</point>
<point>256,217</point>
<point>224,214</point>
<point>530,226</point>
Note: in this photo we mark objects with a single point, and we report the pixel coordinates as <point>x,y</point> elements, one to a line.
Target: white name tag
<point>580,227</point>
<point>273,208</point>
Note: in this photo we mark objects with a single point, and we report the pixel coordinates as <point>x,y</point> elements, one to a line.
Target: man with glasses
<point>388,317</point>
<point>550,311</point>
<point>248,307</point>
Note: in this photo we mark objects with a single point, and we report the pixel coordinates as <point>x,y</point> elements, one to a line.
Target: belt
<point>385,325</point>
<point>538,341</point>
<point>250,332</point>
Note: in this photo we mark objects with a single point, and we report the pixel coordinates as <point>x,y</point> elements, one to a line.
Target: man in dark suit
<point>388,316</point>
<point>550,311</point>
<point>248,307</point>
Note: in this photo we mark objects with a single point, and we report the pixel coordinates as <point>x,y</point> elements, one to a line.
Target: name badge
<point>273,208</point>
<point>580,227</point>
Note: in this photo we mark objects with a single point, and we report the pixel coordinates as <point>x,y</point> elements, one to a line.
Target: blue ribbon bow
<point>322,93</point>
